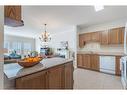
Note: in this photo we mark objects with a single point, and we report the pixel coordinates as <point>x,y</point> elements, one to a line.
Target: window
<point>7,45</point>
<point>27,48</point>
<point>17,46</point>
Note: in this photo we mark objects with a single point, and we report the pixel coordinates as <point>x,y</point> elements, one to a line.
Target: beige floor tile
<point>87,79</point>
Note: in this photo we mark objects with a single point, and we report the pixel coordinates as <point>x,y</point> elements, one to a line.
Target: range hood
<point>12,22</point>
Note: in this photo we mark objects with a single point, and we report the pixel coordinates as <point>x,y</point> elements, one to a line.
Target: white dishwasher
<point>107,64</point>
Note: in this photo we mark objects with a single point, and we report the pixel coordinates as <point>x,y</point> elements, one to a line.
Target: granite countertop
<point>14,70</point>
<point>101,53</point>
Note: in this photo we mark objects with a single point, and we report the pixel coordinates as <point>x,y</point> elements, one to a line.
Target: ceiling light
<point>98,7</point>
<point>45,37</point>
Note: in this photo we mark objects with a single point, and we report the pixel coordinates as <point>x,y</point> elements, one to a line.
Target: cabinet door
<point>81,40</point>
<point>114,36</point>
<point>13,12</point>
<point>104,37</point>
<point>79,60</point>
<point>121,35</point>
<point>69,76</point>
<point>117,65</point>
<point>95,36</point>
<point>87,37</point>
<point>18,12</point>
<point>56,77</point>
<point>33,81</point>
<point>94,62</point>
<point>86,61</point>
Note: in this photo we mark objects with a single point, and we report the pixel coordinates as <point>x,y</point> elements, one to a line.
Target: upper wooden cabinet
<point>95,36</point>
<point>87,37</point>
<point>116,35</point>
<point>121,35</point>
<point>81,41</point>
<point>104,37</point>
<point>13,12</point>
<point>12,16</point>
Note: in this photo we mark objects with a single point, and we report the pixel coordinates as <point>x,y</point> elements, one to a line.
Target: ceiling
<point>60,18</point>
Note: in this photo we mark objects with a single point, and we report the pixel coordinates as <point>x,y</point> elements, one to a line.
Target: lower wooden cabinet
<point>117,66</point>
<point>58,77</point>
<point>69,76</point>
<point>94,62</point>
<point>91,61</point>
<point>80,60</point>
<point>88,61</point>
<point>33,81</point>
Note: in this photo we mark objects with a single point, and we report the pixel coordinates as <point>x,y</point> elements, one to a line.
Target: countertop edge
<point>66,61</point>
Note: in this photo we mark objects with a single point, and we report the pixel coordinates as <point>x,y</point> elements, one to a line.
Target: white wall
<point>104,26</point>
<point>1,45</point>
<point>67,35</point>
<point>96,46</point>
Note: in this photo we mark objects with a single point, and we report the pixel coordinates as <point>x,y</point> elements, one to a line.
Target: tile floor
<point>87,79</point>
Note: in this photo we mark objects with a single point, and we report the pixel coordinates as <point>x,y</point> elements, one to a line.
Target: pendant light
<point>45,36</point>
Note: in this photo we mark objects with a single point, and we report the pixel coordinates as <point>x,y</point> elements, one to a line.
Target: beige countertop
<point>101,53</point>
<point>14,70</point>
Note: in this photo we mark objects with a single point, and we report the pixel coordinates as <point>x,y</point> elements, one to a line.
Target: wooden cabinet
<point>95,36</point>
<point>86,61</point>
<point>91,61</point>
<point>79,60</point>
<point>69,76</point>
<point>94,62</point>
<point>121,35</point>
<point>12,16</point>
<point>117,65</point>
<point>104,37</point>
<point>13,12</point>
<point>87,37</point>
<point>114,36</point>
<point>58,77</point>
<point>81,40</point>
<point>33,81</point>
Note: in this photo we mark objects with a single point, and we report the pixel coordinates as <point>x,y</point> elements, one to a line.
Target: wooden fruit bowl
<point>28,64</point>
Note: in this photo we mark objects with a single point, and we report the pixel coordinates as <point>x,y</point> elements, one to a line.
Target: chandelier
<point>45,36</point>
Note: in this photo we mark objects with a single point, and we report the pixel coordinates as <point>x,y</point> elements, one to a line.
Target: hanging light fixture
<point>45,37</point>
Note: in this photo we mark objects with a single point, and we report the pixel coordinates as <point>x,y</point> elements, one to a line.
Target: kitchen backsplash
<point>94,46</point>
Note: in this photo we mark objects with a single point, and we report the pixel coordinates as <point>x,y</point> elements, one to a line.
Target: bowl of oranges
<point>29,62</point>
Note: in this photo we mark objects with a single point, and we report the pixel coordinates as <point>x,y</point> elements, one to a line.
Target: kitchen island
<point>50,73</point>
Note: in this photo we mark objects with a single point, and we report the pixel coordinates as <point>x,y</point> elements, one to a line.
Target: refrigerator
<point>123,61</point>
